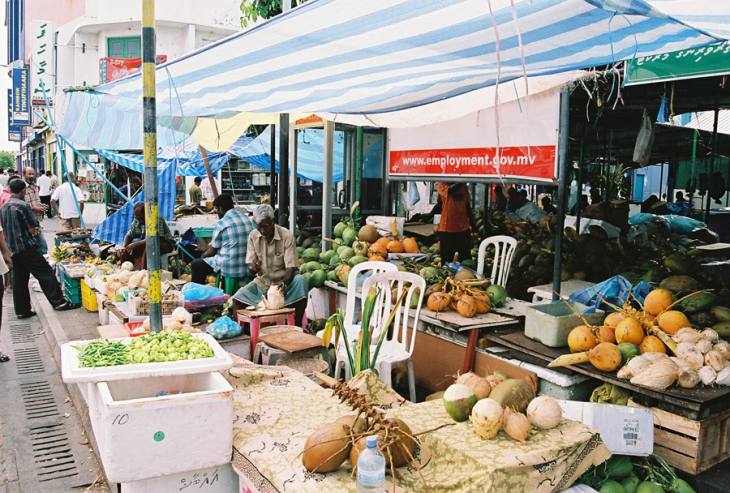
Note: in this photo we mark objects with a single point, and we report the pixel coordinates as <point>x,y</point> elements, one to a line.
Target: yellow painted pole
<point>152,210</point>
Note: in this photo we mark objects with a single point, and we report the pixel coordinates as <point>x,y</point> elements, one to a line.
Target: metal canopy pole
<point>152,211</point>
<point>293,183</point>
<point>208,172</point>
<point>357,175</point>
<point>329,135</point>
<point>272,169</point>
<point>563,162</point>
<point>712,164</point>
<point>283,179</point>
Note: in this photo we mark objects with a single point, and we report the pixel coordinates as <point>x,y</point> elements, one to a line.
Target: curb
<point>55,335</point>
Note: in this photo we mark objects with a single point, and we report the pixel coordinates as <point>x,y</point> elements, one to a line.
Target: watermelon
<point>349,235</point>
<point>334,260</point>
<point>318,278</point>
<point>346,254</point>
<point>357,259</point>
<point>310,254</point>
<point>339,229</point>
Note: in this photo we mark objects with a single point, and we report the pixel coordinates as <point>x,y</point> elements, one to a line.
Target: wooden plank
<point>680,424</point>
<point>249,312</point>
<point>681,462</point>
<point>292,341</point>
<point>459,323</point>
<point>677,442</point>
<point>710,439</point>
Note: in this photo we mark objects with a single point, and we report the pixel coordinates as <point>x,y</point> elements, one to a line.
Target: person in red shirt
<point>455,227</point>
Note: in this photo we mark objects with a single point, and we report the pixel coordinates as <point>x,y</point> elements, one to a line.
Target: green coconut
<point>345,253</point>
<point>497,294</point>
<point>458,401</point>
<point>349,235</point>
<point>339,229</point>
<point>318,278</point>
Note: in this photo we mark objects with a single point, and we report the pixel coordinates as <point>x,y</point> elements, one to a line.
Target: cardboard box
<point>624,430</point>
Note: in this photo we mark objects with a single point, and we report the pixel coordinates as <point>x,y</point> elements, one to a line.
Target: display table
<point>277,409</point>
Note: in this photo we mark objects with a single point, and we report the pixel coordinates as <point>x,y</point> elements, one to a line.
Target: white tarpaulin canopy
<point>377,57</point>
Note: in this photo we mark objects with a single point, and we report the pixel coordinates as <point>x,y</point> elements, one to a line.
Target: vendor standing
<point>455,227</point>
<point>226,252</point>
<point>135,242</point>
<point>271,255</point>
<point>68,203</point>
<point>196,194</point>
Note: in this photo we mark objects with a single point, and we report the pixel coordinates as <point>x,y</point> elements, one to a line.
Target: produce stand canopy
<point>339,57</point>
<point>696,403</point>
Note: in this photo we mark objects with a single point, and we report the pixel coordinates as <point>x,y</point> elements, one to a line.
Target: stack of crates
<point>71,288</point>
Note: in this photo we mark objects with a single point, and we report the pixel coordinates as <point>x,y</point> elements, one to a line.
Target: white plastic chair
<point>397,348</point>
<point>354,292</point>
<point>504,250</point>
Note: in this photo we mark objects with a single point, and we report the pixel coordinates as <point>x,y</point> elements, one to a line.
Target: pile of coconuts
<point>329,446</point>
<point>507,404</point>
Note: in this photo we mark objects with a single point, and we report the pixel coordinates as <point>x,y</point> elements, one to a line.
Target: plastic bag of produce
<point>614,291</point>
<point>609,393</point>
<point>224,328</point>
<point>198,292</point>
<point>682,224</point>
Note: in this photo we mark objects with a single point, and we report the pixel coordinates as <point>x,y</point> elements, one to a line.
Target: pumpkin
<point>483,302</point>
<point>395,246</point>
<point>652,344</point>
<point>378,249</point>
<point>438,302</point>
<point>658,301</point>
<point>613,319</point>
<point>629,330</point>
<point>466,306</point>
<point>673,320</point>
<point>411,246</point>
<point>581,339</point>
<point>382,243</point>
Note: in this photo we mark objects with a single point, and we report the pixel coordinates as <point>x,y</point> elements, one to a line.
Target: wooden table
<point>696,403</point>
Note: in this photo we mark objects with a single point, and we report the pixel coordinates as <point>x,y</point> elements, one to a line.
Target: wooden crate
<point>692,446</point>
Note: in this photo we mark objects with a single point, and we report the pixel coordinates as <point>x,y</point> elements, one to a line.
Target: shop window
<point>126,47</point>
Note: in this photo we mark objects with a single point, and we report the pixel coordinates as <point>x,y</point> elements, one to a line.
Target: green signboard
<point>713,59</point>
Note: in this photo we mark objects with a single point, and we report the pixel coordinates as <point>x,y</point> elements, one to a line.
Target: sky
<point>5,84</point>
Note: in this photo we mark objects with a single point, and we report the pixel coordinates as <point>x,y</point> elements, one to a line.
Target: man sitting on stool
<point>135,243</point>
<point>271,255</point>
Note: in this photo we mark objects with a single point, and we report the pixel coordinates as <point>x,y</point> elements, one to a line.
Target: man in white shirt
<point>3,178</point>
<point>44,190</point>
<point>64,204</point>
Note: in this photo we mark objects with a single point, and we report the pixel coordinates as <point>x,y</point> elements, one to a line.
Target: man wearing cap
<point>271,255</point>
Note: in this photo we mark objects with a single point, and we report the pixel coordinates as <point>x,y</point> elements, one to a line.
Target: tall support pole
<point>357,174</point>
<point>579,188</point>
<point>208,172</point>
<point>293,183</point>
<point>563,167</point>
<point>152,209</point>
<point>272,170</point>
<point>329,137</point>
<point>283,180</point>
<point>712,163</point>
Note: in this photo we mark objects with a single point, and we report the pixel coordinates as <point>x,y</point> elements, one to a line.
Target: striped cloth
<point>380,56</point>
<point>115,227</point>
<point>186,165</point>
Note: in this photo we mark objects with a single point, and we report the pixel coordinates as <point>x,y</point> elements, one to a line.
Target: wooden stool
<point>254,319</point>
<point>289,344</point>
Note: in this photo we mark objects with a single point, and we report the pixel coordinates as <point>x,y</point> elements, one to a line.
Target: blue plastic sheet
<point>611,292</point>
<point>224,328</point>
<point>676,224</point>
<point>199,292</point>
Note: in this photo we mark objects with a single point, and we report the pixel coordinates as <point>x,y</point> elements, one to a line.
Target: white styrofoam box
<point>73,373</point>
<point>624,430</point>
<point>219,479</point>
<point>158,426</point>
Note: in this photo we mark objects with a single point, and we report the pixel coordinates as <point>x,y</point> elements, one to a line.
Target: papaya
<point>676,264</point>
<point>722,329</point>
<point>696,302</point>
<point>680,284</point>
<point>721,313</point>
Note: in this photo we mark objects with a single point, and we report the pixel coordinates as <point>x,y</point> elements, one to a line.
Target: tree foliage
<point>7,160</point>
<point>253,10</point>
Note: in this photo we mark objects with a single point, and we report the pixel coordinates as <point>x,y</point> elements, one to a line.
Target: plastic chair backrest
<point>415,286</point>
<point>352,289</point>
<point>504,250</point>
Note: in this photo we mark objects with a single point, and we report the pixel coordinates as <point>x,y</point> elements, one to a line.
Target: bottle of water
<point>371,468</point>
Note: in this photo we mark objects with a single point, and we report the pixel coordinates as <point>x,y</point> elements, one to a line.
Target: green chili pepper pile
<point>102,353</point>
<point>151,348</point>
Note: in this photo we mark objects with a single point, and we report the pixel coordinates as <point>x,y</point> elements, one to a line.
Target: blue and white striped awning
<point>187,165</point>
<point>378,56</point>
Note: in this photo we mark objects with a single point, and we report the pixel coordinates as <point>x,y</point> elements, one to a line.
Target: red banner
<point>115,68</point>
<point>533,162</point>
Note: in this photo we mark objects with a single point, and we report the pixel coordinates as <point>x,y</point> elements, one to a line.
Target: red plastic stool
<point>254,319</point>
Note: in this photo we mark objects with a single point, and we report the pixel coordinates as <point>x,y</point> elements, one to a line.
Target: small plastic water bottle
<point>371,468</point>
